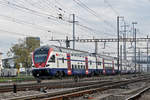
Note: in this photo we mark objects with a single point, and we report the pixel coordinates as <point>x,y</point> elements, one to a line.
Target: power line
<point>116,12</point>
<point>81,4</point>
<point>41,14</point>
<point>29,24</point>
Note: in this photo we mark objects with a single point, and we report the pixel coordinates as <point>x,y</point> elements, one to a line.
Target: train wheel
<point>92,74</point>
<point>76,78</point>
<point>38,80</point>
<point>59,75</point>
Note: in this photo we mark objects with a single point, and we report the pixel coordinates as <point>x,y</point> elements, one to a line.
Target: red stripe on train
<point>69,64</point>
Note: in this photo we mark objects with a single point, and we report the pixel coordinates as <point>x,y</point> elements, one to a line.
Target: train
<point>51,60</point>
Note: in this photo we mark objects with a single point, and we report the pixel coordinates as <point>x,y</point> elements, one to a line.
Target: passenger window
<point>52,59</point>
<point>62,60</point>
<point>99,63</point>
<point>90,62</point>
<point>75,66</point>
<point>81,67</point>
<point>78,66</point>
<point>72,66</point>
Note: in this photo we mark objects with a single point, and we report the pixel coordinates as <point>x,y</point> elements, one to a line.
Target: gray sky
<point>21,18</point>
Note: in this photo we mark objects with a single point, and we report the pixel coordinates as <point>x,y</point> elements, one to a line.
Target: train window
<point>84,67</point>
<point>72,66</point>
<point>52,59</point>
<point>62,60</point>
<point>81,67</point>
<point>75,67</point>
<point>99,63</point>
<point>90,62</point>
<point>78,66</point>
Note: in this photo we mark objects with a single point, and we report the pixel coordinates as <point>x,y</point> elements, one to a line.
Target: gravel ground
<point>9,95</point>
<point>145,96</point>
<point>114,94</point>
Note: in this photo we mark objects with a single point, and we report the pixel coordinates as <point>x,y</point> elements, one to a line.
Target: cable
<point>81,4</point>
<point>29,24</point>
<point>105,1</point>
<point>39,12</point>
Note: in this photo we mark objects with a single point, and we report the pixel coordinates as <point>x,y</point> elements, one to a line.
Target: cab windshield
<point>40,55</point>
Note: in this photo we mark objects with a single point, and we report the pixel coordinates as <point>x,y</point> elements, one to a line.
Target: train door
<point>113,69</point>
<point>86,65</point>
<point>104,70</point>
<point>69,71</point>
<point>57,60</point>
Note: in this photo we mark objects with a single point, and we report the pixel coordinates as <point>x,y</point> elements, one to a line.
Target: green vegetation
<point>22,52</point>
<point>20,78</point>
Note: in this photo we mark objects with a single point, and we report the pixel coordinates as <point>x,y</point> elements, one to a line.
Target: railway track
<point>79,91</point>
<point>56,84</point>
<point>137,95</point>
<point>59,83</point>
<point>47,85</point>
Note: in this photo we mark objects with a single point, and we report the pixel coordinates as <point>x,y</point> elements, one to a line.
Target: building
<point>8,63</point>
<point>30,41</point>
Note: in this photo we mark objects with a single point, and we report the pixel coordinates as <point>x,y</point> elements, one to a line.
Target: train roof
<point>66,50</point>
<point>75,51</point>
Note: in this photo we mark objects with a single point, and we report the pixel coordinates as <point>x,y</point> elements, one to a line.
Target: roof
<point>74,51</point>
<point>66,50</point>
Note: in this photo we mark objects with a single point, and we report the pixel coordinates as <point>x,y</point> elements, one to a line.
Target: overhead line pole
<point>118,31</point>
<point>134,37</point>
<point>73,31</point>
<point>135,51</point>
<point>124,43</point>
<point>147,54</point>
<point>118,41</point>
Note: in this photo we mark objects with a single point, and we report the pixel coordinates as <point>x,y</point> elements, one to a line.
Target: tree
<point>22,52</point>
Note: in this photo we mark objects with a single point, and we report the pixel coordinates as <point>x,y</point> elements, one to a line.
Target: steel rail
<point>49,85</point>
<point>61,95</point>
<point>137,95</point>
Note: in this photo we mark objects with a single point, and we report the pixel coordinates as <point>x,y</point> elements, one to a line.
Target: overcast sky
<point>21,18</point>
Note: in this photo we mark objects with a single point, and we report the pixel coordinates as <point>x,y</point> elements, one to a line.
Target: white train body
<point>59,61</point>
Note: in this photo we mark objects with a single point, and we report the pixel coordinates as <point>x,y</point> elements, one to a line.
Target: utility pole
<point>120,58</point>
<point>134,37</point>
<point>118,42</point>
<point>67,42</point>
<point>139,60</point>
<point>96,47</point>
<point>73,31</point>
<point>135,50</point>
<point>124,42</point>
<point>118,17</point>
<point>147,54</point>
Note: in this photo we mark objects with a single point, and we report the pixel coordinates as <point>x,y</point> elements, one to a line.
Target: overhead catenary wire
<point>88,28</point>
<point>81,4</point>
<point>39,13</point>
<point>85,27</point>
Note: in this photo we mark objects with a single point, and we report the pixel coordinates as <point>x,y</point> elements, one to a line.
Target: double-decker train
<point>59,61</point>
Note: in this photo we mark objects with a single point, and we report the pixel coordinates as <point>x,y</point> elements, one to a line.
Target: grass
<point>18,78</point>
